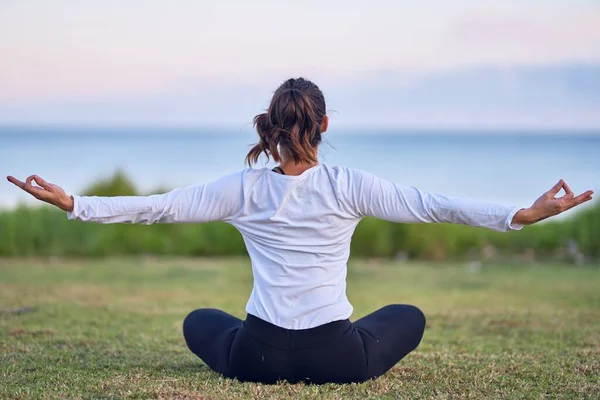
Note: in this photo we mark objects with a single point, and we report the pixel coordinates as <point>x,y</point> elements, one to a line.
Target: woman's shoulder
<point>341,172</point>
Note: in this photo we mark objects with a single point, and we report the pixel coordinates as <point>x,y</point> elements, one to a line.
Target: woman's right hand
<point>47,192</point>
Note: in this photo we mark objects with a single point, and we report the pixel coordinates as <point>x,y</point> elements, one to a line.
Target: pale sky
<point>63,49</point>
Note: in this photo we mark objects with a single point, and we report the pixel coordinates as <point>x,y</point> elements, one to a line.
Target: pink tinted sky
<point>68,50</point>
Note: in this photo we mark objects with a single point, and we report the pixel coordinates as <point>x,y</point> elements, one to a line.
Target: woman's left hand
<point>547,205</point>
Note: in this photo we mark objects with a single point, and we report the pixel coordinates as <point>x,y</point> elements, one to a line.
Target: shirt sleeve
<point>380,198</point>
<point>219,200</point>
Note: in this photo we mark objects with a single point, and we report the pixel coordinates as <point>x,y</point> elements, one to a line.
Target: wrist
<point>525,216</point>
<point>68,204</point>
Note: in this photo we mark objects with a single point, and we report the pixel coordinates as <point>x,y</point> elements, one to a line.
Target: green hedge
<point>44,231</point>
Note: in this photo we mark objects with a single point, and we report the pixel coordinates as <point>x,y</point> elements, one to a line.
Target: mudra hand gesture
<point>48,192</point>
<point>548,205</point>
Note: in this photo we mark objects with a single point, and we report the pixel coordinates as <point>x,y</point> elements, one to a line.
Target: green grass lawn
<point>112,329</point>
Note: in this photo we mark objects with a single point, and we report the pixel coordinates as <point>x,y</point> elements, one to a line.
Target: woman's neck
<point>289,166</point>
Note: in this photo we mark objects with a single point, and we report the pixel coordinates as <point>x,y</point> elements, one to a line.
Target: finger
<point>556,188</point>
<point>32,182</point>
<point>35,191</point>
<point>27,184</point>
<point>568,191</point>
<point>582,198</point>
<point>39,192</point>
<point>29,179</point>
<point>15,181</point>
<point>42,182</point>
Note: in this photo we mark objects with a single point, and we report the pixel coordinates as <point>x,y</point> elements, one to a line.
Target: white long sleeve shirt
<point>297,229</point>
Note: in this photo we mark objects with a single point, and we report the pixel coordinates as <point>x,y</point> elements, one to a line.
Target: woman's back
<point>297,230</point>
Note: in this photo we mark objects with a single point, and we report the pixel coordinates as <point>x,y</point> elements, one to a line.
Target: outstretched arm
<point>215,201</point>
<point>373,196</point>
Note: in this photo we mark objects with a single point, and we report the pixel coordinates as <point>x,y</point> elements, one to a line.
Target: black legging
<point>339,352</point>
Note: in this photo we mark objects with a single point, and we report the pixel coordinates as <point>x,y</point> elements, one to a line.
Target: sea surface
<point>507,167</point>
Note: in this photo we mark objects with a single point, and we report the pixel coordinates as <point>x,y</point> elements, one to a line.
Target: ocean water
<point>511,168</point>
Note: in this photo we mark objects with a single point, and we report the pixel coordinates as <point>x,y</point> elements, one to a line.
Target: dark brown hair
<point>292,122</point>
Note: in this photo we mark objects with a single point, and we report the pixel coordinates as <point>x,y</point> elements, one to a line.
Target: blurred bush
<point>117,185</point>
<point>44,231</point>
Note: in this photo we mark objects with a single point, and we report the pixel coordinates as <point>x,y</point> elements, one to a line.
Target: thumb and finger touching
<point>43,191</point>
<point>555,189</point>
<point>569,200</point>
<point>568,192</point>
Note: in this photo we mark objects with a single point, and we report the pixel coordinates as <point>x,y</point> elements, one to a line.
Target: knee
<point>418,322</point>
<point>192,322</point>
<point>417,316</point>
<point>188,324</point>
<point>193,329</point>
<point>413,318</point>
<point>408,312</point>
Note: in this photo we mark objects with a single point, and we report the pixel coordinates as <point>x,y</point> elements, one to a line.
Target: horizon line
<point>349,128</point>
